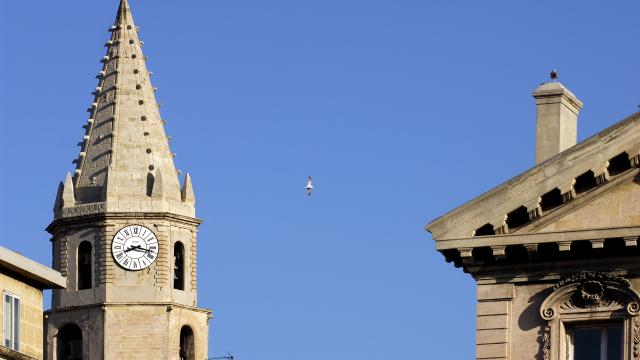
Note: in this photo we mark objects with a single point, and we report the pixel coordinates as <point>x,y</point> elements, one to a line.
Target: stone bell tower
<point>124,229</point>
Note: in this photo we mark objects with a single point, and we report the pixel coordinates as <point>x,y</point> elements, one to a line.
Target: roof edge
<point>42,275</point>
<point>591,141</point>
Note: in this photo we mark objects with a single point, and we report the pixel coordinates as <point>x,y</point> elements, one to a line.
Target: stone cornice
<point>101,217</point>
<point>170,307</point>
<point>540,238</point>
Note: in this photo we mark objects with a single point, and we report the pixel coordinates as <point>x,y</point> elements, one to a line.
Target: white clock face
<point>134,247</point>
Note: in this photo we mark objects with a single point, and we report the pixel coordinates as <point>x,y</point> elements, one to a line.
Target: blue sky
<point>400,109</point>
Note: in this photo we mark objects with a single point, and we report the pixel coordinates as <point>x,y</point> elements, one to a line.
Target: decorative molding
<point>582,297</point>
<point>601,173</point>
<point>534,208</point>
<point>636,339</point>
<point>546,343</point>
<point>634,156</point>
<point>568,191</point>
<point>591,275</point>
<point>500,225</point>
<point>84,209</point>
<point>590,291</point>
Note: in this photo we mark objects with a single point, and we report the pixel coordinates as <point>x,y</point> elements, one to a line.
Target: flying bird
<point>309,186</point>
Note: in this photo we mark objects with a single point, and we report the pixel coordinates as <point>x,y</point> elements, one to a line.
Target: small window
<point>178,266</point>
<point>599,342</point>
<point>84,266</point>
<point>11,314</point>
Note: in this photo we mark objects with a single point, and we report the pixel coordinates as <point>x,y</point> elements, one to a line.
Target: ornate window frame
<point>585,298</point>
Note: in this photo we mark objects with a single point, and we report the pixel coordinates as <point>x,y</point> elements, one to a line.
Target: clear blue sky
<point>400,109</point>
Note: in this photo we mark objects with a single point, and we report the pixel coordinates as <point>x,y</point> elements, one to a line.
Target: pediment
<point>612,205</point>
<point>571,191</point>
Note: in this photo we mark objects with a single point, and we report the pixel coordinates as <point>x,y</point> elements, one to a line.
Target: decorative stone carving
<point>534,209</point>
<point>590,291</point>
<point>546,343</point>
<point>567,191</point>
<point>500,225</point>
<point>84,209</point>
<point>601,173</point>
<point>636,339</point>
<point>580,297</point>
<point>634,156</point>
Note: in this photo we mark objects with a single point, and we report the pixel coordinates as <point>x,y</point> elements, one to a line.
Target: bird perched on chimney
<point>309,186</point>
<point>554,75</point>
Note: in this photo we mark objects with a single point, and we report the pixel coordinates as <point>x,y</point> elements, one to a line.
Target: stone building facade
<point>124,229</point>
<point>554,251</point>
<point>21,283</point>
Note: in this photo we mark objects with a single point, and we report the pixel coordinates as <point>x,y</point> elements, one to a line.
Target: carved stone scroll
<point>583,296</point>
<point>590,291</point>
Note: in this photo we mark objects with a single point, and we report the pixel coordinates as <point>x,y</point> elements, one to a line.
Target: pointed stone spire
<point>68,197</point>
<point>188,195</point>
<point>125,138</point>
<point>157,187</point>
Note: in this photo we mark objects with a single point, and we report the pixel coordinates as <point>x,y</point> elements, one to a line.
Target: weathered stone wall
<point>509,324</point>
<point>30,314</point>
<point>131,331</point>
<point>90,320</point>
<point>494,311</point>
<point>128,314</point>
<point>620,207</point>
<point>111,283</point>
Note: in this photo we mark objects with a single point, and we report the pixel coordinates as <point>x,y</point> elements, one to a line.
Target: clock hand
<point>135,248</point>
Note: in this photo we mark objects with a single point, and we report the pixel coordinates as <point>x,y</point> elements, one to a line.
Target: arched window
<point>69,344</point>
<point>187,346</point>
<point>590,315</point>
<point>178,266</point>
<point>84,267</point>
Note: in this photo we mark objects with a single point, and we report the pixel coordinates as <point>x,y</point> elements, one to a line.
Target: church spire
<point>125,163</point>
<point>123,9</point>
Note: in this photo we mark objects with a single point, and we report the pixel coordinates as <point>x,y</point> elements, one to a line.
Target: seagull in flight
<point>309,186</point>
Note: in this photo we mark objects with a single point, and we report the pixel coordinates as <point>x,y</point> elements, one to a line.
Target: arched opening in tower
<point>84,267</point>
<point>178,266</point>
<point>187,344</point>
<point>69,343</point>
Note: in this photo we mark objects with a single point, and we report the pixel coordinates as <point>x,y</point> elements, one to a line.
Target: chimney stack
<point>556,119</point>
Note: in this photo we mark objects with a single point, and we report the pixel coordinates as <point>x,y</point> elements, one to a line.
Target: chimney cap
<point>556,89</point>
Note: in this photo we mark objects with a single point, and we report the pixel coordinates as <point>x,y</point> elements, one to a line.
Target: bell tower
<point>124,230</point>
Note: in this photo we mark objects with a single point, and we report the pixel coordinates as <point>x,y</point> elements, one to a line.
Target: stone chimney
<point>556,120</point>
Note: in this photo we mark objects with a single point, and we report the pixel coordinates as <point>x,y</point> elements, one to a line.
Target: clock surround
<point>134,247</point>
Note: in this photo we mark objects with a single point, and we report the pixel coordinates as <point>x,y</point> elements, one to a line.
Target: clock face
<point>134,247</point>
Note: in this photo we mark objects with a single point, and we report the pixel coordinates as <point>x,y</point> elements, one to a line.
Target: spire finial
<point>124,13</point>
